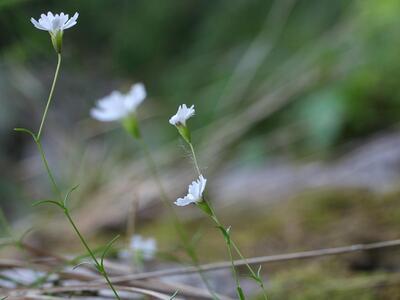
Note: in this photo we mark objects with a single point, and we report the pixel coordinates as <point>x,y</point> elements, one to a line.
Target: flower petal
<point>184,201</point>
<point>71,22</point>
<point>37,24</point>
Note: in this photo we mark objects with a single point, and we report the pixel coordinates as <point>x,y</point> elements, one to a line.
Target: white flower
<point>182,115</point>
<point>195,192</point>
<point>117,106</point>
<point>146,247</point>
<point>54,23</point>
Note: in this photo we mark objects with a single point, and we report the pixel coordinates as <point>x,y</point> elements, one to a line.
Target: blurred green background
<point>297,111</point>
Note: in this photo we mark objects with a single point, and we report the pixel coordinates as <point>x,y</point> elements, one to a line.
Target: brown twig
<point>263,260</point>
<point>90,287</point>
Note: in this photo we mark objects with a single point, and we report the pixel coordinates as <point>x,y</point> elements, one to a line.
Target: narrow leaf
<point>69,194</point>
<point>48,202</point>
<point>107,248</point>
<point>80,264</point>
<point>20,129</point>
<point>259,271</point>
<point>226,235</point>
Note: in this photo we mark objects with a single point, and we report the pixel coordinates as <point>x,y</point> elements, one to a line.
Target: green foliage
<point>189,53</point>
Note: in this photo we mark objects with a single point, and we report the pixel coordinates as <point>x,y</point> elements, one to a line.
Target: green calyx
<point>131,126</point>
<point>184,132</point>
<point>57,39</point>
<point>203,205</point>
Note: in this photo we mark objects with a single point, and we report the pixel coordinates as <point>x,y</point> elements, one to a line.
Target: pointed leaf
<point>48,202</point>
<point>80,264</point>
<point>257,277</point>
<point>226,235</point>
<point>259,271</point>
<point>69,194</point>
<point>107,248</point>
<point>20,129</point>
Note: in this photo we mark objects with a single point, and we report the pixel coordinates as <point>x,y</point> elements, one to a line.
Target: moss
<point>318,210</point>
<point>330,280</point>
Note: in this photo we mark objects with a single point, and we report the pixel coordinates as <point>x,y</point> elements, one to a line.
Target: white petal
<point>182,115</point>
<point>203,183</point>
<point>37,24</point>
<point>184,201</point>
<point>194,189</point>
<point>45,22</point>
<point>139,91</point>
<point>56,24</point>
<point>135,96</point>
<point>105,116</point>
<point>71,22</point>
<point>173,120</point>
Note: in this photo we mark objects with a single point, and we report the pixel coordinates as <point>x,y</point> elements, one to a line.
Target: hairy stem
<point>196,164</point>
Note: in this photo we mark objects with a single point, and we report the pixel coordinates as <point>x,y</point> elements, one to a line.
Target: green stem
<point>104,273</point>
<point>229,248</point>
<point>67,214</point>
<point>57,190</point>
<point>261,284</point>
<point>99,266</point>
<point>46,166</point>
<point>177,224</point>
<point>38,136</point>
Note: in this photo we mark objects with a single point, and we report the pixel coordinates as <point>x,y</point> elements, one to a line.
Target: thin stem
<point>57,190</point>
<point>214,217</point>
<point>235,274</point>
<point>47,168</point>
<point>67,214</point>
<point>50,97</point>
<point>249,268</point>
<point>196,164</point>
<point>104,273</point>
<point>99,266</point>
<point>229,247</point>
<point>177,224</point>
